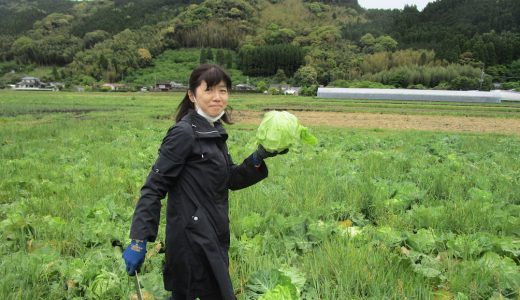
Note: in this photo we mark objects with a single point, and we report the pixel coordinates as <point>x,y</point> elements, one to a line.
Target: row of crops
<point>365,214</point>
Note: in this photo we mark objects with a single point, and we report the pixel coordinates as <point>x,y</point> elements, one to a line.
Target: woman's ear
<point>191,96</point>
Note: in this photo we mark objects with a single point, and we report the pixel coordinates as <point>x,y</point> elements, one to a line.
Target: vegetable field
<point>367,213</point>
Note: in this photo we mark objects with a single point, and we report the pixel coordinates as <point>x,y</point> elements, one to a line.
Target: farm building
<point>244,87</point>
<point>166,86</point>
<point>33,84</point>
<point>418,95</point>
<point>114,86</point>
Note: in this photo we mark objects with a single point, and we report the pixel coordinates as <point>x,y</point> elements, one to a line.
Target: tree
<point>94,37</point>
<point>367,43</point>
<point>24,49</point>
<point>514,70</point>
<point>306,76</point>
<point>280,76</point>
<point>6,41</point>
<point>464,83</point>
<point>55,74</point>
<point>275,34</point>
<point>103,62</point>
<point>385,43</point>
<point>145,58</point>
<point>266,60</point>
<point>202,56</point>
<point>209,55</point>
<point>229,60</point>
<point>423,59</point>
<point>220,57</point>
<point>261,86</point>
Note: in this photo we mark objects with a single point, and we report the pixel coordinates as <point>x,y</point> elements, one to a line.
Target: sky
<point>386,4</point>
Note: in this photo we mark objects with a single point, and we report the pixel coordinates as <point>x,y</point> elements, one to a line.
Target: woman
<point>195,170</point>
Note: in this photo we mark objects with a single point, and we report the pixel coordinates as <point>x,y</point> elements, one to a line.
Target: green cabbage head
<point>281,130</point>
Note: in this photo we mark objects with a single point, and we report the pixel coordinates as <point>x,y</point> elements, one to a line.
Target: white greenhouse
<point>418,95</point>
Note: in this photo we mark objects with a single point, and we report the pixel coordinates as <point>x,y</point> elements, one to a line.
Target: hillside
<point>488,29</point>
<point>88,42</point>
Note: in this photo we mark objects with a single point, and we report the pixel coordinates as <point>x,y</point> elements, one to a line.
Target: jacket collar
<point>202,128</point>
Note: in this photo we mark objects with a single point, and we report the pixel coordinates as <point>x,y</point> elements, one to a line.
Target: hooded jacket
<point>196,171</point>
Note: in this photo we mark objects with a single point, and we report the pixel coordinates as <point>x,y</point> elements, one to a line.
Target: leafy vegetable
<point>273,284</point>
<point>280,292</point>
<point>507,246</point>
<point>469,246</point>
<point>504,269</point>
<point>423,241</point>
<point>281,130</point>
<point>426,265</point>
<point>389,236</point>
<point>105,285</point>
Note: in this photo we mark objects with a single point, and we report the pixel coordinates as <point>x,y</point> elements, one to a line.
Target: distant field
<point>374,211</point>
<point>164,103</point>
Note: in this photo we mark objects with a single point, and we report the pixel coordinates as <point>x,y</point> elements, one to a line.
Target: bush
<point>273,91</point>
<point>10,78</point>
<point>464,83</point>
<point>442,86</point>
<point>416,87</point>
<point>359,84</point>
<point>8,66</point>
<point>428,76</point>
<point>513,85</point>
<point>261,86</point>
<point>309,90</point>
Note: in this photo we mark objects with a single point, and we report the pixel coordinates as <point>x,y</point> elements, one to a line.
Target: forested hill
<point>303,41</point>
<point>451,27</point>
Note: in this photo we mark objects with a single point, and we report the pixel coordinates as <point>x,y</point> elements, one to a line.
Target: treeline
<point>210,34</point>
<point>448,44</point>
<point>118,15</point>
<point>221,57</point>
<point>486,30</point>
<point>18,17</point>
<point>453,76</point>
<point>112,59</point>
<point>55,38</point>
<point>267,60</point>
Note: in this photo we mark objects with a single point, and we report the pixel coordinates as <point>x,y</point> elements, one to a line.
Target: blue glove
<point>134,256</point>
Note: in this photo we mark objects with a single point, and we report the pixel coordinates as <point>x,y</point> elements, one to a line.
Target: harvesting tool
<point>138,287</point>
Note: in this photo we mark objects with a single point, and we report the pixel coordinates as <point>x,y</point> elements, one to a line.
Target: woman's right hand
<point>134,256</point>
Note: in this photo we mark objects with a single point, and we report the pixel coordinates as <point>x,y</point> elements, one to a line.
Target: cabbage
<point>280,130</point>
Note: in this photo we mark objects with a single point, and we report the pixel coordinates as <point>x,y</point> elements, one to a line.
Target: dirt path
<point>393,121</point>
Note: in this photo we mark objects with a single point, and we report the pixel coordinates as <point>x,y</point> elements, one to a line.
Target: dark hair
<point>212,75</point>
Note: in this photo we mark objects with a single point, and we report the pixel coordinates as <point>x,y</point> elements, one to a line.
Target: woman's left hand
<point>262,153</point>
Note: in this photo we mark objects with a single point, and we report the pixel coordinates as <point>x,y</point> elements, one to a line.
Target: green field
<point>365,214</point>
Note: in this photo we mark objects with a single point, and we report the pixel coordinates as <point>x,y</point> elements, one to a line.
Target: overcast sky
<point>399,4</point>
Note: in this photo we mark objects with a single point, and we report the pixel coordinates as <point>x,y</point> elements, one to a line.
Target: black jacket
<point>196,171</point>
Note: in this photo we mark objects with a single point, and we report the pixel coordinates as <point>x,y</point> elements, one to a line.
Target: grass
<point>73,164</point>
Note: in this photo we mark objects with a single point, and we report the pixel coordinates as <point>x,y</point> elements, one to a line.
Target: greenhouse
<point>418,95</point>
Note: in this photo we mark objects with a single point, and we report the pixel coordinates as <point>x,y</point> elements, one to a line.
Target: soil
<point>393,121</point>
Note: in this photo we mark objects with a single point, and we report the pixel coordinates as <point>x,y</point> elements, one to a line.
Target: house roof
<point>113,84</point>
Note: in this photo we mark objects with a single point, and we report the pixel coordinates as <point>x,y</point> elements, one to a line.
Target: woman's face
<point>211,100</point>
